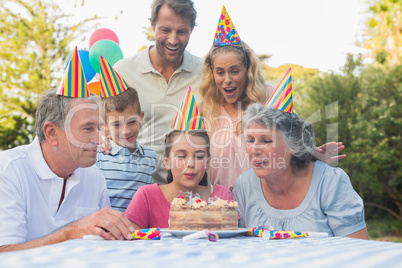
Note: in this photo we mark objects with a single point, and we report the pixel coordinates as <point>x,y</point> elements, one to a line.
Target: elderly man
<point>50,191</point>
<point>162,73</point>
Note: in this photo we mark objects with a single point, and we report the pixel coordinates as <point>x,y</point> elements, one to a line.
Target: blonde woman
<point>232,81</point>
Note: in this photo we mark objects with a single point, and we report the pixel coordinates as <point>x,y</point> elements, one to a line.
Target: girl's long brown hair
<point>170,139</point>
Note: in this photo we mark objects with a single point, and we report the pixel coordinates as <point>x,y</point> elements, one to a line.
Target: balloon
<point>89,72</point>
<point>107,49</point>
<point>94,87</point>
<point>102,34</point>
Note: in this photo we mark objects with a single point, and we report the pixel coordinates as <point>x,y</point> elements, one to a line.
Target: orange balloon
<point>94,87</point>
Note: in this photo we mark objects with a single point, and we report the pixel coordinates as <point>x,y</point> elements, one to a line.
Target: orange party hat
<point>110,81</point>
<point>282,96</point>
<point>226,33</point>
<point>188,117</point>
<point>74,84</point>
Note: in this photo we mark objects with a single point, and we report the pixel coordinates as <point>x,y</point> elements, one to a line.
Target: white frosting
<point>178,201</point>
<point>233,204</point>
<point>199,204</point>
<point>220,203</point>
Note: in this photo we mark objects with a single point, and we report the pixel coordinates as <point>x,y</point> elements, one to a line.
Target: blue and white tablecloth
<point>238,251</point>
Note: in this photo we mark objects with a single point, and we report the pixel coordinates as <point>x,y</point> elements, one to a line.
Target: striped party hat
<point>110,81</point>
<point>226,33</point>
<point>74,84</point>
<point>282,96</point>
<point>188,117</point>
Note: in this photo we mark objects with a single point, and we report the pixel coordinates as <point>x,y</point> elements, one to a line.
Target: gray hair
<point>55,108</point>
<point>297,133</point>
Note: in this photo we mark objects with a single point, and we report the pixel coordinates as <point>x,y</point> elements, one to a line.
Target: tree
<point>384,31</point>
<point>361,108</point>
<point>299,73</point>
<point>329,102</point>
<point>150,35</point>
<point>377,145</point>
<point>33,48</point>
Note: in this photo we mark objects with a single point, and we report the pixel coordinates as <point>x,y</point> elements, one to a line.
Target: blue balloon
<point>89,72</point>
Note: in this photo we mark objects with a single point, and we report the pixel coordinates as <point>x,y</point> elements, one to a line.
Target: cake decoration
<point>232,203</point>
<point>282,96</point>
<point>74,84</point>
<point>199,203</point>
<point>219,203</point>
<point>196,201</point>
<point>178,201</point>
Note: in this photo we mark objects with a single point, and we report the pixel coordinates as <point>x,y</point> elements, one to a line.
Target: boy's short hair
<point>120,102</point>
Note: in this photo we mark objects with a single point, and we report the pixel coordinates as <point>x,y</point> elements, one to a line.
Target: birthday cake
<point>197,214</point>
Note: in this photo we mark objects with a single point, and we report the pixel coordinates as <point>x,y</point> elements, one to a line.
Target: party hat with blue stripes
<point>282,96</point>
<point>74,84</point>
<point>110,81</point>
<point>188,117</point>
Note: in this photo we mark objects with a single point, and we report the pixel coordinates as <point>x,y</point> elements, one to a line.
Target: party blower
<point>143,234</point>
<point>274,234</point>
<point>202,234</point>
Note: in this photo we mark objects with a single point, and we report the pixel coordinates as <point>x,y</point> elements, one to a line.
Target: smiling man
<point>50,189</point>
<point>163,73</point>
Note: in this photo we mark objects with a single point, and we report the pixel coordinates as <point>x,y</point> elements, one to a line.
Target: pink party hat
<point>188,117</point>
<point>282,96</point>
<point>226,33</point>
<point>74,84</point>
<point>110,81</point>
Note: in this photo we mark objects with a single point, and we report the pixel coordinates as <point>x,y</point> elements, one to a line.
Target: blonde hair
<point>254,91</point>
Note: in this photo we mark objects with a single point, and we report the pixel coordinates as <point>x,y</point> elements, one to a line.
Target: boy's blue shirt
<point>125,172</point>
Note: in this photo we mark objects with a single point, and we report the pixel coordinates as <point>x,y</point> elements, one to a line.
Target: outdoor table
<point>238,251</point>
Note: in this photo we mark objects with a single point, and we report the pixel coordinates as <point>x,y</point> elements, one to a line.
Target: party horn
<point>93,237</point>
<point>274,234</point>
<point>147,234</point>
<point>202,234</point>
<point>256,231</point>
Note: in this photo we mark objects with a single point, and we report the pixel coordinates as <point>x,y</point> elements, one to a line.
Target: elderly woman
<point>232,80</point>
<point>285,189</point>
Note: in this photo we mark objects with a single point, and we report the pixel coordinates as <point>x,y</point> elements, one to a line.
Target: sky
<point>311,33</point>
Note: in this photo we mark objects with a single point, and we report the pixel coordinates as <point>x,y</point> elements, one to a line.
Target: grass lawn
<point>385,230</point>
<point>397,239</point>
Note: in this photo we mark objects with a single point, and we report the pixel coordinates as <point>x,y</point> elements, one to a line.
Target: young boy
<point>129,165</point>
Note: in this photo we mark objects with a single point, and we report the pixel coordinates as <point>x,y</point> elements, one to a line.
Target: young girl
<point>186,159</point>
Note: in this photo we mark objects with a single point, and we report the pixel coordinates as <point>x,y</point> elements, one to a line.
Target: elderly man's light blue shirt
<point>126,172</point>
<point>331,204</point>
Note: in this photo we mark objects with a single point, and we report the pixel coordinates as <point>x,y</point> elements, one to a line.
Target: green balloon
<point>108,49</point>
